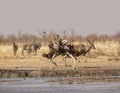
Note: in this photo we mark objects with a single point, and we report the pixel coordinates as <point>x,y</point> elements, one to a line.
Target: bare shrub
<point>105,44</point>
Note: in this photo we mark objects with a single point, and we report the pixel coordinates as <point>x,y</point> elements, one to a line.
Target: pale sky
<point>84,16</point>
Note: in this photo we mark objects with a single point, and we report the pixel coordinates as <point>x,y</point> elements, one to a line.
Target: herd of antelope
<point>55,49</point>
<point>29,48</point>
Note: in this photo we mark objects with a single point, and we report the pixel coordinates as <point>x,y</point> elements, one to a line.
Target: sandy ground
<point>8,61</point>
<point>40,66</point>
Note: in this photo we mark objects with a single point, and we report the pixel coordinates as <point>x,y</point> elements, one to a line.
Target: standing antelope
<point>35,47</point>
<point>15,48</point>
<point>26,47</point>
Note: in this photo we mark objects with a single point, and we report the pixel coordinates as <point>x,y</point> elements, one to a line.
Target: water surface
<point>40,85</point>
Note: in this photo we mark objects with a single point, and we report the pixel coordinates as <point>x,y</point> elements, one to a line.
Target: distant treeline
<point>45,37</point>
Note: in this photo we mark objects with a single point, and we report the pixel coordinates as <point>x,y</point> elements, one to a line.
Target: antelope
<point>15,48</point>
<point>26,47</point>
<point>83,50</point>
<point>35,47</point>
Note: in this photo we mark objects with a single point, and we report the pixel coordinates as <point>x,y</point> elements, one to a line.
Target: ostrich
<point>35,47</point>
<point>15,48</point>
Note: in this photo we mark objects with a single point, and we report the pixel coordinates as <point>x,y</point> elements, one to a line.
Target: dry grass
<point>107,48</point>
<point>105,56</point>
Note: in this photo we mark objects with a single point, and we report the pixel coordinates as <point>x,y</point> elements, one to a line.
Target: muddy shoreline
<point>21,73</point>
